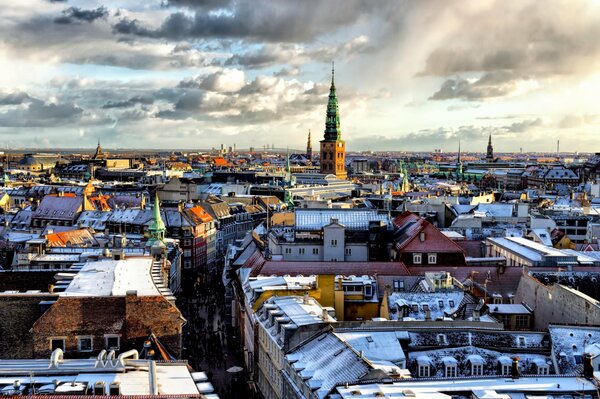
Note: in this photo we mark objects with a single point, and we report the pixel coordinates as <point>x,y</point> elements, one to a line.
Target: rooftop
<point>114,278</point>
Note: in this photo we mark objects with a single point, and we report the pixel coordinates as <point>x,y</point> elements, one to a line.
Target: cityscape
<point>306,200</point>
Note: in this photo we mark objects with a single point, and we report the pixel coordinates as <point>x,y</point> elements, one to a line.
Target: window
<point>315,251</point>
<point>333,243</point>
<point>112,342</point>
<point>187,253</point>
<point>522,321</point>
<point>451,303</point>
<point>57,343</point>
<point>543,370</point>
<point>415,308</point>
<point>398,285</point>
<point>187,242</point>
<point>348,251</point>
<point>441,338</point>
<point>521,342</point>
<point>441,304</point>
<point>288,250</point>
<point>368,290</point>
<point>301,251</point>
<point>425,307</point>
<point>450,371</point>
<point>187,264</point>
<point>477,369</point>
<point>432,259</point>
<point>417,259</point>
<point>424,370</point>
<point>84,344</point>
<point>506,369</point>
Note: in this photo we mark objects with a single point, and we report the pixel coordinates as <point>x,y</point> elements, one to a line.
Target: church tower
<point>490,151</point>
<point>333,148</point>
<point>309,150</point>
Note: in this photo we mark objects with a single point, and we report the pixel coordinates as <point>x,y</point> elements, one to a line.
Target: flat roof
<point>114,278</point>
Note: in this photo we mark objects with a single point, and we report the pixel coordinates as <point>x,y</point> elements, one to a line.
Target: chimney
<point>588,367</point>
<point>324,314</point>
<point>476,315</point>
<point>422,236</point>
<point>428,315</point>
<point>305,298</point>
<point>514,370</point>
<point>51,288</point>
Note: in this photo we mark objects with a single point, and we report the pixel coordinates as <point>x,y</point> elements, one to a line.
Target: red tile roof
<point>408,229</point>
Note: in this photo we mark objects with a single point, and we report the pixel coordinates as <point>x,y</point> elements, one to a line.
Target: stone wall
<point>557,304</point>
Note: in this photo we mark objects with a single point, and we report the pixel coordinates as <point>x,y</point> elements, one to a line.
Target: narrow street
<point>207,343</point>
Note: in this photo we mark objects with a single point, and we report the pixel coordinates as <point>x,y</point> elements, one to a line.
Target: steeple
<point>332,120</point>
<point>333,148</point>
<point>99,154</point>
<point>309,149</point>
<point>490,150</point>
<point>156,228</point>
<point>459,165</point>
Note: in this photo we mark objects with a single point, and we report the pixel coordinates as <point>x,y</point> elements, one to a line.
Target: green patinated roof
<point>333,131</point>
<point>156,228</point>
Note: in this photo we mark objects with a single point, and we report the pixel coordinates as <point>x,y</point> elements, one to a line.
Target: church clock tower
<point>333,148</point>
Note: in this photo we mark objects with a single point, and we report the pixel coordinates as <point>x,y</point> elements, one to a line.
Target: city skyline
<point>195,74</point>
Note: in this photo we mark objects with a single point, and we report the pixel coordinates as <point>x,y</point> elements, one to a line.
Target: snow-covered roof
<point>376,345</point>
<point>114,278</point>
<point>351,219</point>
<point>509,308</point>
<point>440,303</point>
<point>325,362</point>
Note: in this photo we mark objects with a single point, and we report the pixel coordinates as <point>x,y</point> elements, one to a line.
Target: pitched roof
<point>58,208</point>
<point>408,229</point>
<point>280,268</point>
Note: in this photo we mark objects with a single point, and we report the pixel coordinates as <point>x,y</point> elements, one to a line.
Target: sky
<point>195,74</point>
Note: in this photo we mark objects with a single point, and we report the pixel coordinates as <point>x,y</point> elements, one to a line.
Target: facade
<point>333,148</point>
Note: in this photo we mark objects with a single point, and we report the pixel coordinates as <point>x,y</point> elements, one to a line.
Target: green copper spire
<point>156,228</point>
<point>332,121</point>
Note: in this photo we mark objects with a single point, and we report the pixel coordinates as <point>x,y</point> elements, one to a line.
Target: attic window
<point>417,259</point>
<point>415,308</point>
<point>369,339</point>
<point>441,339</point>
<point>441,303</point>
<point>451,303</point>
<point>521,342</point>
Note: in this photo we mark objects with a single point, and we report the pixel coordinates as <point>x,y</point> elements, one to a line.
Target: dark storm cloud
<point>129,103</point>
<point>42,114</point>
<point>281,21</point>
<point>76,14</point>
<point>202,4</point>
<point>14,98</point>
<point>493,84</point>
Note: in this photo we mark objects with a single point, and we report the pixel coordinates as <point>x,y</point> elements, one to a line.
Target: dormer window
<point>415,308</point>
<point>424,370</point>
<point>441,339</point>
<point>451,371</point>
<point>521,342</point>
<point>425,307</point>
<point>476,369</point>
<point>451,303</point>
<point>441,304</point>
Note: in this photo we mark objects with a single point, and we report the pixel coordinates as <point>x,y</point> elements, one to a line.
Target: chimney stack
<point>305,298</point>
<point>514,370</point>
<point>588,367</point>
